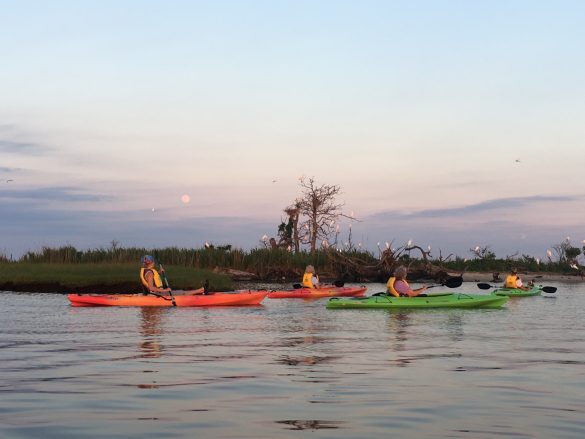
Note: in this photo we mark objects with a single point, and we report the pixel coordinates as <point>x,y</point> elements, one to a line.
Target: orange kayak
<point>316,293</point>
<point>238,298</point>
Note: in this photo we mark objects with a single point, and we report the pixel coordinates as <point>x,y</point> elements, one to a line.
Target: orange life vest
<point>156,279</point>
<point>511,280</point>
<point>390,287</point>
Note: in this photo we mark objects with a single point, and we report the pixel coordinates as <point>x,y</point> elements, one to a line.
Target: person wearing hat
<point>514,281</point>
<point>398,286</point>
<point>310,279</point>
<point>152,281</point>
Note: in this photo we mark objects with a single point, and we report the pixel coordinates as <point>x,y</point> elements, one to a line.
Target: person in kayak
<point>310,279</point>
<point>514,281</point>
<point>398,286</point>
<point>152,281</point>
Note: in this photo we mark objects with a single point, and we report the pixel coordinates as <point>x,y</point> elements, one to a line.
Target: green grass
<point>104,274</point>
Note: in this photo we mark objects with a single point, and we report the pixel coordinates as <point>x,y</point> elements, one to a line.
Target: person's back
<point>310,279</point>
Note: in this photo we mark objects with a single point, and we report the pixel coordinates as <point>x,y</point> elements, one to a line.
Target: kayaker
<point>152,281</point>
<point>310,279</point>
<point>397,284</point>
<point>514,281</point>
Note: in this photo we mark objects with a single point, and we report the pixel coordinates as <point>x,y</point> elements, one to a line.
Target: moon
<point>185,199</point>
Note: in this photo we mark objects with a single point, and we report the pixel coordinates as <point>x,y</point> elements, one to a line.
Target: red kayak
<point>238,298</point>
<point>316,293</point>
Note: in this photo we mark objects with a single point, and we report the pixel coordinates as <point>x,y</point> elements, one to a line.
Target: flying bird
<point>275,180</point>
<point>9,180</point>
<point>517,160</point>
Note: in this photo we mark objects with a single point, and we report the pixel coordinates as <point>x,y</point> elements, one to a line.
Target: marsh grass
<point>105,274</point>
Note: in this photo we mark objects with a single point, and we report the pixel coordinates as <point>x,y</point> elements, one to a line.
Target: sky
<point>448,123</point>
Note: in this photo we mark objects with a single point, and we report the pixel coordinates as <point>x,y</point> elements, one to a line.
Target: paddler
<point>152,281</point>
<point>514,281</point>
<point>310,279</point>
<point>398,286</point>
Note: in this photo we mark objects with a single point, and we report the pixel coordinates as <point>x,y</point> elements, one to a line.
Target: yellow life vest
<point>156,279</point>
<point>511,281</point>
<point>390,287</point>
<point>308,280</point>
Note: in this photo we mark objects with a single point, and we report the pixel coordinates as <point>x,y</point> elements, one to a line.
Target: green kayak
<point>444,300</point>
<point>517,292</point>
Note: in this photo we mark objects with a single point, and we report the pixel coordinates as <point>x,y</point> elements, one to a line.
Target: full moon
<point>185,198</point>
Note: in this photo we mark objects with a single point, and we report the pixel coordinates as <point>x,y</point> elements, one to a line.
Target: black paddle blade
<point>297,286</point>
<point>206,287</point>
<point>454,282</point>
<point>549,290</point>
<point>339,283</point>
<point>484,286</point>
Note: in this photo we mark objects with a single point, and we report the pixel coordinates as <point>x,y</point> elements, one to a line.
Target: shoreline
<point>537,277</point>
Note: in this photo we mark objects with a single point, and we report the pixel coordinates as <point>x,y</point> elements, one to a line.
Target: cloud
<point>27,148</point>
<point>67,194</point>
<point>471,209</point>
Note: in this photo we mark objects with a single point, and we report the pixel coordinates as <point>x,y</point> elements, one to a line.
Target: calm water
<point>293,369</point>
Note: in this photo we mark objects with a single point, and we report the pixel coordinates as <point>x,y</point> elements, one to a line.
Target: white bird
<point>265,238</point>
<point>409,243</point>
<point>517,160</point>
<point>275,180</point>
<point>549,253</point>
<point>9,180</point>
<point>153,209</point>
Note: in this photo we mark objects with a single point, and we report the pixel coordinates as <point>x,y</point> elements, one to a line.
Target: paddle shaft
<point>166,284</point>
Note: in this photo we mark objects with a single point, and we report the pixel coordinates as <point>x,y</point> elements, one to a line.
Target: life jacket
<point>390,287</point>
<point>511,281</point>
<point>156,279</point>
<point>308,280</point>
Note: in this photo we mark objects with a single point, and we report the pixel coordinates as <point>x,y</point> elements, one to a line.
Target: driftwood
<point>351,267</point>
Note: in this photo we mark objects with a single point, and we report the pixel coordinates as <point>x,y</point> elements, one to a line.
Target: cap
<point>146,259</point>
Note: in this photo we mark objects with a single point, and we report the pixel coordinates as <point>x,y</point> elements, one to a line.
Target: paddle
<point>452,282</point>
<point>337,283</point>
<point>484,286</point>
<point>166,284</point>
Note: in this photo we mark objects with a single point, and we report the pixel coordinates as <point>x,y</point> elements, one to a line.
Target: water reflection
<point>313,424</point>
<point>151,331</point>
<point>398,325</point>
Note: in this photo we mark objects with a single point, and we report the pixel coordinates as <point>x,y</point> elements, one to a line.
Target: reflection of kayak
<point>216,299</point>
<point>316,293</point>
<point>517,292</point>
<point>444,300</point>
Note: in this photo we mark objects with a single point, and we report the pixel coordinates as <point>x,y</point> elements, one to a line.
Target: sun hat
<point>146,259</point>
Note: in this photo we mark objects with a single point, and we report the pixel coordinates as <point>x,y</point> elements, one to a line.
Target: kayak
<point>317,293</point>
<point>517,292</point>
<point>238,298</point>
<point>442,300</point>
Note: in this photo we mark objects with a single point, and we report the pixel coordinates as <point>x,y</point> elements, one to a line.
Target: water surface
<point>291,368</point>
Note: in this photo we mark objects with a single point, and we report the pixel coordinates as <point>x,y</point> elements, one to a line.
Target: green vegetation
<point>98,277</point>
<point>66,268</point>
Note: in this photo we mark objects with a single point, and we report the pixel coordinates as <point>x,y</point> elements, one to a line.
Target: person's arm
<point>404,289</point>
<point>151,287</point>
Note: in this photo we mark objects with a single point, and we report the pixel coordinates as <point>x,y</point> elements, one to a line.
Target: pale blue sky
<point>419,110</point>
